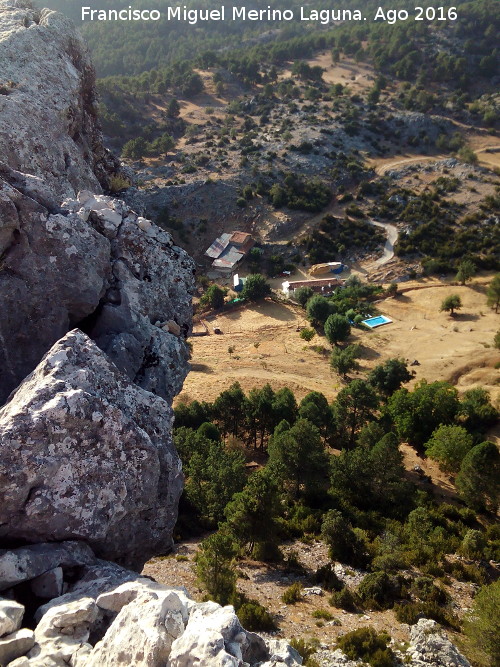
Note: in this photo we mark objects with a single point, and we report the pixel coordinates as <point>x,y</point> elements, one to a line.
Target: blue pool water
<point>373,322</point>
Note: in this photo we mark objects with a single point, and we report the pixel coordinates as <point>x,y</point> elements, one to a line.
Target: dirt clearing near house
<point>260,343</point>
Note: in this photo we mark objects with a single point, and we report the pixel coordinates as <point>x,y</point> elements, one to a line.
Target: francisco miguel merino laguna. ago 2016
<point>222,13</point>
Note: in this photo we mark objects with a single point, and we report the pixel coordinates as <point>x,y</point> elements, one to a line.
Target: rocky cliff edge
<point>96,308</point>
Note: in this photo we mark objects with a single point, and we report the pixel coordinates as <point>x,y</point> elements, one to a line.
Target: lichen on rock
<point>87,455</point>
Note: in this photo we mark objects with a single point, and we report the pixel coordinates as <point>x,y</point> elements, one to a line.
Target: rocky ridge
<point>99,614</point>
<point>87,455</point>
<point>48,110</point>
<point>69,256</point>
<point>105,294</point>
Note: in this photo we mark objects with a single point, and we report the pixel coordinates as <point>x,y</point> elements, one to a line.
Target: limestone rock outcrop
<point>89,262</point>
<point>429,647</point>
<point>108,617</point>
<point>87,455</point>
<point>97,265</point>
<point>48,110</point>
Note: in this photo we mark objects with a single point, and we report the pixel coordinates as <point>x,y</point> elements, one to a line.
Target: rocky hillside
<point>74,259</point>
<point>96,309</point>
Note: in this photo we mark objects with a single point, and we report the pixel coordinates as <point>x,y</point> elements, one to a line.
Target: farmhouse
<point>229,249</point>
<point>320,286</point>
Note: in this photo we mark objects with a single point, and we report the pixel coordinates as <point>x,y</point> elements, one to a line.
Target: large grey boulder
<point>143,631</point>
<point>48,112</point>
<point>15,645</point>
<point>214,637</point>
<point>90,261</point>
<point>28,563</point>
<point>86,455</point>
<point>96,265</point>
<point>429,647</point>
<point>53,272</point>
<point>11,615</point>
<point>63,631</point>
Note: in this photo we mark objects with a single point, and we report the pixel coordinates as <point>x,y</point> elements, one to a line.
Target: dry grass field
<point>260,344</point>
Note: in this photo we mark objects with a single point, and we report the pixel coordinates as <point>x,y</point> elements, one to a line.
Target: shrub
<point>256,287</point>
<point>463,572</point>
<point>392,290</point>
<point>466,154</point>
<point>449,445</point>
<point>425,589</point>
<point>292,594</point>
<point>322,613</point>
<point>302,295</point>
<point>254,617</point>
<point>367,645</point>
<point>337,329</point>
<point>379,588</point>
<point>408,612</point>
<point>307,334</point>
<point>318,309</point>
<point>473,544</point>
<point>213,297</point>
<point>267,552</point>
<point>118,183</point>
<point>478,480</point>
<point>411,612</point>
<point>215,566</point>
<point>305,647</point>
<point>345,599</point>
<point>483,625</point>
<point>326,577</point>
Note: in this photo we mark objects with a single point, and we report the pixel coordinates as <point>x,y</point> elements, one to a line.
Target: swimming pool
<point>373,322</point>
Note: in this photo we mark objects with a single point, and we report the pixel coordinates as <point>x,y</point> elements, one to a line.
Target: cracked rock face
<point>86,455</point>
<point>89,261</point>
<point>110,616</point>
<point>48,110</point>
<point>97,265</point>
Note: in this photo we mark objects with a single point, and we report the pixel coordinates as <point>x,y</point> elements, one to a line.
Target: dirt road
<point>392,237</point>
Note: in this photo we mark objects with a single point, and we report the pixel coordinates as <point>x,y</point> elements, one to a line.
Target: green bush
<point>425,590</point>
<point>367,645</point>
<point>254,617</point>
<point>326,577</point>
<point>305,647</point>
<point>323,614</point>
<point>307,334</point>
<point>256,287</point>
<point>408,612</point>
<point>483,625</point>
<point>380,590</point>
<point>292,594</point>
<point>464,572</point>
<point>473,545</point>
<point>344,599</point>
<point>267,552</point>
<point>411,612</point>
